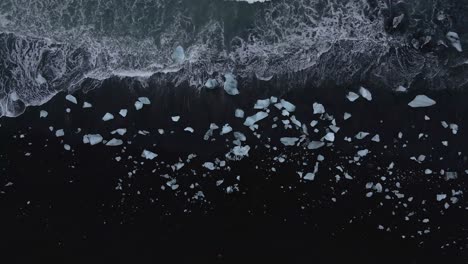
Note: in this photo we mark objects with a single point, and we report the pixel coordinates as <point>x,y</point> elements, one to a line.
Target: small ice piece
<point>87,105</point>
<point>211,84</point>
<point>60,133</point>
<point>427,171</point>
<point>120,131</point>
<point>365,93</point>
<point>240,136</point>
<point>178,56</point>
<point>238,153</point>
<point>92,139</point>
<point>148,155</point>
<point>309,176</point>
<point>107,117</point>
<point>226,129</point>
<point>189,129</point>
<point>363,153</point>
<point>67,147</point>
<point>71,98</point>
<point>239,113</point>
<point>451,175</point>
<point>454,40</point>
<point>138,105</point>
<point>376,138</point>
<point>230,85</point>
<point>262,104</point>
<point>123,112</point>
<point>175,118</point>
<point>397,20</point>
<point>330,137</point>
<point>251,120</point>
<point>421,101</point>
<point>352,96</point>
<point>144,100</point>
<point>289,141</point>
<point>313,123</point>
<point>401,89</point>
<point>288,106</point>
<point>43,114</point>
<point>318,108</point>
<point>114,142</point>
<point>441,197</point>
<point>346,116</point>
<point>209,165</point>
<point>361,135</point>
<point>315,145</point>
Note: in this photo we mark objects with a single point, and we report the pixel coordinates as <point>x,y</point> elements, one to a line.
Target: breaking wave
<point>49,46</point>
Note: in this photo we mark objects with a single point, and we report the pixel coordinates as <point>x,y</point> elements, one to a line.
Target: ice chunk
<point>67,147</point>
<point>238,153</point>
<point>365,93</point>
<point>144,100</point>
<point>287,106</point>
<point>289,141</point>
<point>352,96</point>
<point>361,135</point>
<point>120,131</point>
<point>211,84</point>
<point>239,113</point>
<point>209,165</point>
<point>347,116</point>
<point>148,155</point>
<point>107,117</point>
<point>262,104</point>
<point>240,136</point>
<point>330,137</point>
<point>309,176</point>
<point>230,85</point>
<point>123,112</point>
<point>43,114</point>
<point>376,138</point>
<point>114,142</point>
<point>315,145</point>
<point>363,153</point>
<point>189,129</point>
<point>71,98</point>
<point>251,120</point>
<point>138,105</point>
<point>454,40</point>
<point>441,197</point>
<point>401,89</point>
<point>226,129</point>
<point>87,105</point>
<point>92,139</point>
<point>59,133</point>
<point>178,56</point>
<point>175,118</point>
<point>318,108</point>
<point>421,101</point>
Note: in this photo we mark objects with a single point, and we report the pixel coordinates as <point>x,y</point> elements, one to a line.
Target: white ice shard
<point>230,85</point>
<point>315,145</point>
<point>251,120</point>
<point>209,165</point>
<point>120,131</point>
<point>329,137</point>
<point>240,136</point>
<point>60,133</point>
<point>87,105</point>
<point>309,176</point>
<point>352,96</point>
<point>289,141</point>
<point>107,117</point>
<point>189,129</point>
<point>114,142</point>
<point>401,89</point>
<point>238,153</point>
<point>211,83</point>
<point>43,114</point>
<point>319,108</point>
<point>226,129</point>
<point>421,101</point>
<point>376,138</point>
<point>288,106</point>
<point>123,112</point>
<point>365,93</point>
<point>71,98</point>
<point>138,105</point>
<point>454,40</point>
<point>239,113</point>
<point>346,116</point>
<point>92,139</point>
<point>178,56</point>
<point>175,118</point>
<point>148,155</point>
<point>363,153</point>
<point>262,104</point>
<point>361,135</point>
<point>144,100</point>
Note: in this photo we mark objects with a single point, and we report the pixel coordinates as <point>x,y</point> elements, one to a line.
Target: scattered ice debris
<point>239,113</point>
<point>262,104</point>
<point>123,112</point>
<point>211,84</point>
<point>238,153</point>
<point>309,176</point>
<point>209,133</point>
<point>178,56</point>
<point>67,147</point>
<point>114,142</point>
<point>287,106</point>
<point>230,85</point>
<point>315,145</point>
<point>329,137</point>
<point>92,139</point>
<point>226,129</point>
<point>352,96</point>
<point>144,100</point>
<point>441,197</point>
<point>346,116</point>
<point>361,135</point>
<point>59,133</point>
<point>138,105</point>
<point>427,171</point>
<point>363,153</point>
<point>189,129</point>
<point>421,101</point>
<point>120,131</point>
<point>251,120</point>
<point>175,118</point>
<point>71,98</point>
<point>43,114</point>
<point>401,89</point>
<point>209,165</point>
<point>289,141</point>
<point>87,105</point>
<point>319,108</point>
<point>365,93</point>
<point>454,40</point>
<point>376,138</point>
<point>148,155</point>
<point>451,175</point>
<point>107,117</point>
